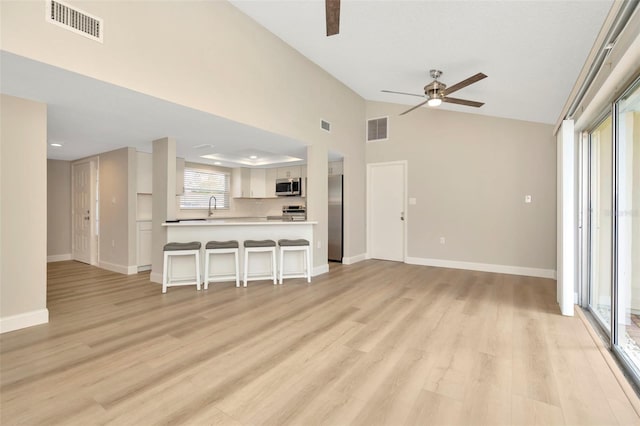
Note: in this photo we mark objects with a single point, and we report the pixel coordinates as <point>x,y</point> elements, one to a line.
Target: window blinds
<point>200,185</point>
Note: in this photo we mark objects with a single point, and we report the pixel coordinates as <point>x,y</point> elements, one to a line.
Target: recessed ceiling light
<point>217,163</point>
<point>57,145</point>
<point>253,157</point>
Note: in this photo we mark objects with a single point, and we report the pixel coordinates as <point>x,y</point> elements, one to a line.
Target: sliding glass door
<point>627,226</point>
<point>600,221</point>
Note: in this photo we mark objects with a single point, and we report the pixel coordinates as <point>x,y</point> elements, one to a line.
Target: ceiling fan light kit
<point>437,92</point>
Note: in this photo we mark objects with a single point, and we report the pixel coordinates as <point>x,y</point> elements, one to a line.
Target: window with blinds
<point>200,185</point>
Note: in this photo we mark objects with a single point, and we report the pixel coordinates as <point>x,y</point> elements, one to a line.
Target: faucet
<point>215,205</point>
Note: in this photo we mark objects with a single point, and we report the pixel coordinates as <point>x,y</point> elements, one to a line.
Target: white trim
<point>121,269</point>
<point>155,277</point>
<point>58,257</point>
<point>143,268</point>
<point>319,270</point>
<point>575,298</point>
<point>354,259</point>
<point>483,267</point>
<point>27,319</point>
<point>566,217</point>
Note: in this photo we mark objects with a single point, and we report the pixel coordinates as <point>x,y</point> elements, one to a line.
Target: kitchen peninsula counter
<point>241,229</point>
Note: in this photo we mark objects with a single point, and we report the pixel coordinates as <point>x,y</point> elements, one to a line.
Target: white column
<point>318,203</point>
<point>163,200</point>
<point>566,225</point>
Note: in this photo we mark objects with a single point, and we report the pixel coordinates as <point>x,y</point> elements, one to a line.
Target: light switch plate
<point>527,198</point>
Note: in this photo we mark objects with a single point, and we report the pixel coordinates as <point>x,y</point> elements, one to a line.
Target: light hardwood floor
<point>372,343</point>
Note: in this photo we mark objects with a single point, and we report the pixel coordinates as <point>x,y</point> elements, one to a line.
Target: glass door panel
<point>600,221</point>
<point>628,221</point>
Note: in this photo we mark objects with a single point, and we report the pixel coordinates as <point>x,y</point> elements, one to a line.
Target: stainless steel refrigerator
<point>335,218</point>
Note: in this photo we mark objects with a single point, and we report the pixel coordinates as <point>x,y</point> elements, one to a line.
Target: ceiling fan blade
<point>332,10</point>
<point>462,102</point>
<point>464,83</point>
<point>417,106</point>
<point>403,93</point>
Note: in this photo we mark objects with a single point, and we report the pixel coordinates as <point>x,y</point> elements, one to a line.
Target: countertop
<point>234,221</point>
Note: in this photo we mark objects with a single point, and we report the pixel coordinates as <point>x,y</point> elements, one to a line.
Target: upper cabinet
<point>335,168</point>
<point>289,172</point>
<point>144,174</point>
<point>253,183</point>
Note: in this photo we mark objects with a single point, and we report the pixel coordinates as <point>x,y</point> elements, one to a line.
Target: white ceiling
<point>532,51</point>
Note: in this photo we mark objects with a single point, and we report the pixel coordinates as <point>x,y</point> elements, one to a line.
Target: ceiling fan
<point>437,92</point>
<point>332,11</point>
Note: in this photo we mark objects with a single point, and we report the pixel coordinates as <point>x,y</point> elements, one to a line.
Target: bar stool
<point>295,245</point>
<point>180,249</point>
<point>220,247</point>
<point>256,246</point>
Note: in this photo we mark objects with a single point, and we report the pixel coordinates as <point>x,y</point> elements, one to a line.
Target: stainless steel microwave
<point>288,187</point>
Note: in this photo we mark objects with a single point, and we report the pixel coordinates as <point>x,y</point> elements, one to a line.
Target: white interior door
<point>81,212</point>
<point>386,189</point>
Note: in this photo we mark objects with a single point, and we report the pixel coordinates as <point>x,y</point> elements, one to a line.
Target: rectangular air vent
<point>74,19</point>
<point>325,125</point>
<point>377,129</point>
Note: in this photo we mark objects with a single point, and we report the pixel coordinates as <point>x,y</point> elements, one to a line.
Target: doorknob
<point>401,215</point>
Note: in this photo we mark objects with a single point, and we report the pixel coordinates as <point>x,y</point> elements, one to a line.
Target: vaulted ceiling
<point>532,51</point>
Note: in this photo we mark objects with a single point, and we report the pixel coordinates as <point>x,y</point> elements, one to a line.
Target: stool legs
<point>167,268</point>
<point>306,253</point>
<point>207,261</point>
<point>272,252</point>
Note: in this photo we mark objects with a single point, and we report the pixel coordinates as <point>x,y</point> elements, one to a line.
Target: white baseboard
<point>121,269</point>
<point>58,257</point>
<point>483,267</point>
<point>319,270</point>
<point>156,277</point>
<point>144,268</point>
<point>354,259</point>
<point>27,319</point>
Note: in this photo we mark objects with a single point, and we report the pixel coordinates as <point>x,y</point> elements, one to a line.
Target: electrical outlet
<point>442,240</point>
<point>527,199</point>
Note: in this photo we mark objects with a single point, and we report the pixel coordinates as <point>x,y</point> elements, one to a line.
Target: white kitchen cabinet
<point>251,183</point>
<point>144,174</point>
<point>257,183</point>
<point>144,244</point>
<point>289,172</point>
<point>335,168</point>
<point>270,181</point>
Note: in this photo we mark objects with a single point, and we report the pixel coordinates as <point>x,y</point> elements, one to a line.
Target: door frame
<point>94,246</point>
<point>370,167</point>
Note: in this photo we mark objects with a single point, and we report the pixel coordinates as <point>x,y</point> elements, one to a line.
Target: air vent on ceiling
<point>325,125</point>
<point>377,129</point>
<point>74,19</point>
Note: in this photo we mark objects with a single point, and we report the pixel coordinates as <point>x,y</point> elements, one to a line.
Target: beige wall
<point>229,59</point>
<point>23,214</point>
<point>117,200</point>
<point>58,208</point>
<point>470,174</point>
